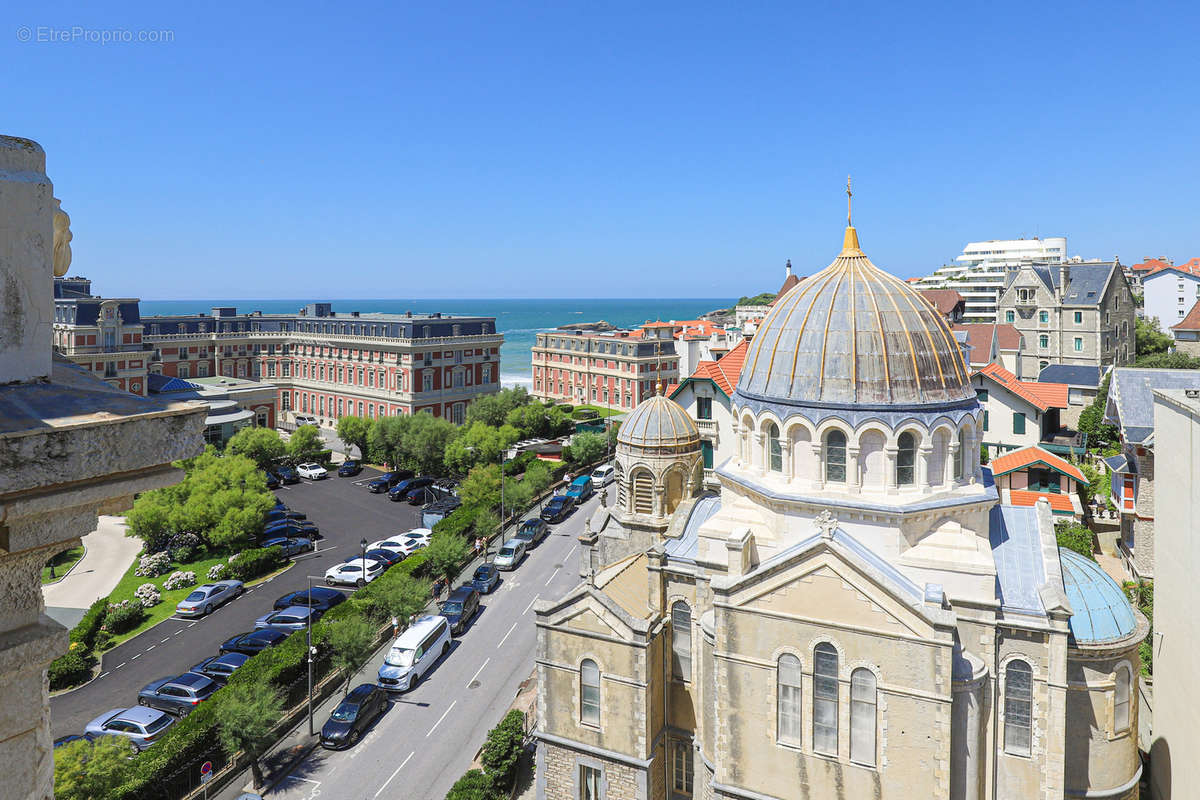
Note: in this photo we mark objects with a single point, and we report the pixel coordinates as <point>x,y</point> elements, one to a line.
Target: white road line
<point>179,619</point>
<point>181,630</point>
<point>118,666</point>
<point>510,630</point>
<point>394,774</point>
<point>552,574</point>
<point>439,722</point>
<point>164,641</point>
<point>476,675</point>
<point>102,674</point>
<point>531,602</point>
<point>191,624</point>
<point>135,658</point>
<point>572,550</point>
<point>151,647</point>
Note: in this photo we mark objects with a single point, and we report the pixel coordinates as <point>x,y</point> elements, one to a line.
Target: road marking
<point>510,630</point>
<point>151,647</point>
<point>179,619</point>
<point>439,722</point>
<point>118,666</point>
<point>476,675</point>
<point>164,641</point>
<point>181,630</point>
<point>135,658</point>
<point>394,774</point>
<point>102,674</point>
<point>531,602</point>
<point>552,574</point>
<point>191,624</point>
<point>572,550</point>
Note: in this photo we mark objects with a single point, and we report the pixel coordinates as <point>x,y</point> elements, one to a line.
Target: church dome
<point>658,426</point>
<point>854,335</point>
<point>1100,612</point>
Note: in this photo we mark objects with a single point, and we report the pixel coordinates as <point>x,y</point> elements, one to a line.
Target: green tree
<point>404,596</point>
<point>757,300</point>
<point>493,409</point>
<point>481,487</point>
<point>356,432</point>
<point>1091,420</point>
<point>613,429</point>
<point>150,520</point>
<point>1176,360</point>
<point>246,714</point>
<point>263,446</point>
<point>350,643</point>
<point>486,524</point>
<point>478,443</point>
<point>531,420</point>
<point>385,440</point>
<point>426,441</point>
<point>1150,339</point>
<point>587,447</point>
<point>473,785</point>
<point>305,444</point>
<point>1075,537</point>
<point>502,750</point>
<point>537,477</point>
<point>446,553</point>
<point>86,770</point>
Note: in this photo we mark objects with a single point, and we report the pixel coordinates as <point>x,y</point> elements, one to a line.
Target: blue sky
<point>607,149</point>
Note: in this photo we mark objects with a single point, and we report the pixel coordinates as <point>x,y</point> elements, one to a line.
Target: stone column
<point>892,453</point>
<point>852,479</point>
<point>967,763</point>
<point>760,444</point>
<point>785,449</point>
<point>818,480</point>
<point>659,495</point>
<point>951,461</point>
<point>924,457</point>
<point>27,209</point>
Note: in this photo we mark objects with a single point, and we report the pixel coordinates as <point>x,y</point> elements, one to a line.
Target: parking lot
<point>343,509</point>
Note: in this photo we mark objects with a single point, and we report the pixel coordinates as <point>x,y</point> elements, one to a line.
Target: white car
<point>510,555</point>
<point>358,572</point>
<point>603,475</point>
<point>314,472</point>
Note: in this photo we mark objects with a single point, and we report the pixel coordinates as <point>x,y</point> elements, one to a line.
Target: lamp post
<point>311,652</point>
<point>363,544</point>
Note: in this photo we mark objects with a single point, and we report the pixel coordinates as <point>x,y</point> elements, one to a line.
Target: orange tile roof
<point>1192,267</point>
<point>1149,265</point>
<point>724,371</point>
<point>1191,322</point>
<point>944,300</point>
<point>1026,456</point>
<point>1043,395</point>
<point>1059,503</point>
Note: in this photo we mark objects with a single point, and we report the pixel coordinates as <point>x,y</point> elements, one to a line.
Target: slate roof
<point>166,383</point>
<point>1028,456</point>
<point>1191,322</point>
<point>1130,391</point>
<point>1043,396</point>
<point>1017,550</point>
<point>944,300</point>
<point>1085,284</point>
<point>1100,611</point>
<point>1071,374</point>
<point>686,546</point>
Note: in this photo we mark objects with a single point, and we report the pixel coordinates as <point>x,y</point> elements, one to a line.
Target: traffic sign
<point>206,772</point>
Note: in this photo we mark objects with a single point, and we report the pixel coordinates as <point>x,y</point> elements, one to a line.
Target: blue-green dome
<point>1100,612</point>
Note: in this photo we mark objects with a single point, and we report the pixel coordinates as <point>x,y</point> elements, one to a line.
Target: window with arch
<point>906,459</point>
<point>962,455</point>
<point>774,450</point>
<point>1018,707</point>
<point>1121,699</point>
<point>681,640</point>
<point>643,493</point>
<point>835,457</point>
<point>787,708</point>
<point>589,692</point>
<point>825,699</point>
<point>863,705</point>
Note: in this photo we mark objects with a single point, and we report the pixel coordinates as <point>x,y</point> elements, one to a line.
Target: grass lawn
<point>156,614</point>
<point>62,562</point>
<point>603,412</point>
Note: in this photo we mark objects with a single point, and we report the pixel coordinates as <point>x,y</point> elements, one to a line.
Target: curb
<point>71,569</point>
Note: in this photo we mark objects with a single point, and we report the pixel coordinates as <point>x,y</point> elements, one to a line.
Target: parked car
<point>277,514</point>
<point>510,555</point>
<point>305,419</point>
<point>414,540</point>
<point>382,555</point>
<point>294,618</point>
<point>177,695</point>
<point>141,726</point>
<point>290,546</point>
<point>396,545</point>
<point>207,596</point>
<point>350,720</point>
<point>312,471</point>
<point>460,608</point>
<point>272,480</point>
<point>603,475</point>
<point>557,508</point>
<point>354,573</point>
<point>254,642</point>
<point>219,668</point>
<point>288,475</point>
<point>414,653</point>
<point>581,488</point>
<point>292,527</point>
<point>485,578</point>
<point>349,469</point>
<point>400,490</point>
<point>532,531</point>
<point>317,597</point>
<point>389,479</point>
<point>420,495</point>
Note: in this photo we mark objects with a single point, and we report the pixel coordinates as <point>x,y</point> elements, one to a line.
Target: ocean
<point>518,320</point>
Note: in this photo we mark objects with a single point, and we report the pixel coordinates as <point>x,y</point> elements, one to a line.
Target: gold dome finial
<point>850,241</point>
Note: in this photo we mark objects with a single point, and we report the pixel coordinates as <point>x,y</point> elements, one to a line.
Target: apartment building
<point>101,334</point>
<point>1169,292</point>
<point>613,369</point>
<point>980,272</point>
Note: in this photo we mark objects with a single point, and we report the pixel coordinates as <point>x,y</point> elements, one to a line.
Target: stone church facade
<point>854,614</point>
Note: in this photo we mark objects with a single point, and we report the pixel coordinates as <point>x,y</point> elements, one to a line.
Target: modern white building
<point>1170,292</point>
<point>979,273</point>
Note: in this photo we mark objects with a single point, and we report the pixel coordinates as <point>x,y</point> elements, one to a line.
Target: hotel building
<point>614,369</point>
<point>979,273</point>
<point>102,335</point>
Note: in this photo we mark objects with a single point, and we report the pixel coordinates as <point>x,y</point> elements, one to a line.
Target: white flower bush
<point>216,572</point>
<point>153,565</point>
<point>179,580</point>
<point>148,595</point>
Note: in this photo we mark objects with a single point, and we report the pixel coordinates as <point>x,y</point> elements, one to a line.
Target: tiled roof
<point>1149,265</point>
<point>1026,456</point>
<point>1009,338</point>
<point>1190,267</point>
<point>1131,391</point>
<point>1085,284</point>
<point>723,372</point>
<point>1070,374</point>
<point>1059,503</point>
<point>1191,322</point>
<point>789,283</point>
<point>944,300</point>
<point>979,339</point>
<point>1042,395</point>
<point>166,383</point>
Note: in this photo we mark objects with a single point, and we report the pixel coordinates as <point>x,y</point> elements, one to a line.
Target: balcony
<point>707,427</point>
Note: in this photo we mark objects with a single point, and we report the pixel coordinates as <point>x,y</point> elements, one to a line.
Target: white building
<point>1170,292</point>
<point>706,394</point>
<point>979,273</point>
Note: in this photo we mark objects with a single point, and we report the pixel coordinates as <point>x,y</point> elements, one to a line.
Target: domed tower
<point>658,462</point>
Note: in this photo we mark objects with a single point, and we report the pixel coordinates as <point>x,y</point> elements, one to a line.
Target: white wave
<point>509,379</point>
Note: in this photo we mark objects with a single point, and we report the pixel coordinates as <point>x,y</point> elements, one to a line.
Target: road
<point>344,511</point>
<point>429,737</point>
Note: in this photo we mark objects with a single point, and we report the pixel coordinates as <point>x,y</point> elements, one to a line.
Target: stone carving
<point>62,240</point>
<point>826,523</point>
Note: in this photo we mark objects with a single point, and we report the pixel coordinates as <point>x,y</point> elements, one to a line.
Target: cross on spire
<point>849,196</point>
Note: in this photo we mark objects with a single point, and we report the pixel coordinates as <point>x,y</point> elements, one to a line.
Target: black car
<point>460,608</point>
<point>291,527</point>
<point>272,480</point>
<point>532,531</point>
<point>389,479</point>
<point>420,495</point>
<point>277,514</point>
<point>385,557</point>
<point>400,490</point>
<point>319,597</point>
<point>486,578</point>
<point>178,695</point>
<point>219,668</point>
<point>288,475</point>
<point>254,642</point>
<point>349,468</point>
<point>559,507</point>
<point>353,716</point>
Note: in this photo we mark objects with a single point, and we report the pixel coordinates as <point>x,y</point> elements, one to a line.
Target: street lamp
<point>311,651</point>
<point>363,543</point>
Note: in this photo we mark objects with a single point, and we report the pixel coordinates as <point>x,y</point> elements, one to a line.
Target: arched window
<point>835,457</point>
<point>1121,700</point>
<point>643,493</point>
<point>1018,707</point>
<point>962,455</point>
<point>681,640</point>
<point>862,716</point>
<point>774,451</point>
<point>906,458</point>
<point>788,699</point>
<point>825,699</point>
<point>589,692</point>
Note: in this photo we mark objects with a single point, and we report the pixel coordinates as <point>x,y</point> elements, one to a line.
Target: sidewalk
<point>109,553</point>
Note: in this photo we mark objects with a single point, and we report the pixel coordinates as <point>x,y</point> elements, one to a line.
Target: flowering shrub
<point>184,547</point>
<point>216,572</point>
<point>153,565</point>
<point>124,616</point>
<point>148,594</point>
<point>178,580</point>
<point>233,557</point>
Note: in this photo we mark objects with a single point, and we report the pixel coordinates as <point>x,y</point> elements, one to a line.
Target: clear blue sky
<point>665,149</point>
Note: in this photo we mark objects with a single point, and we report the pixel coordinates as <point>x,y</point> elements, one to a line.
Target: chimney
<point>1064,278</point>
<point>787,270</point>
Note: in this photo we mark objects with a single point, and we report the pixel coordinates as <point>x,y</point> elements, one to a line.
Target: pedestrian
<point>395,627</point>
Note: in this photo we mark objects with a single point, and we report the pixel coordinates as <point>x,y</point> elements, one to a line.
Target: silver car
<point>142,726</point>
<point>510,555</point>
<point>292,618</point>
<point>204,598</point>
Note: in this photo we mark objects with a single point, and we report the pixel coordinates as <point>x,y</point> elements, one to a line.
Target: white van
<point>414,653</point>
<point>603,475</point>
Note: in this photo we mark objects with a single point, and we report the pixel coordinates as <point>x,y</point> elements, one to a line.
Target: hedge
<point>125,617</point>
<point>85,631</point>
<point>69,670</point>
<point>254,563</point>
